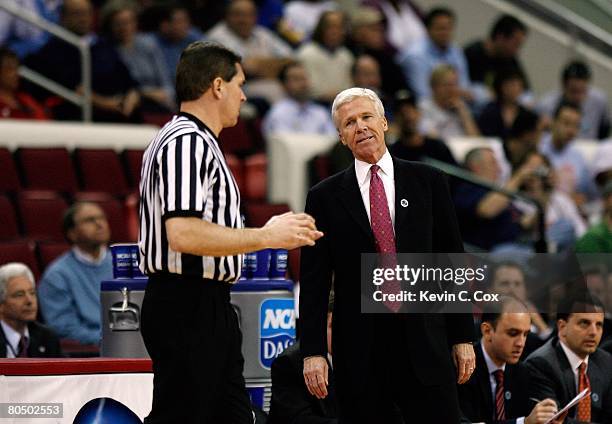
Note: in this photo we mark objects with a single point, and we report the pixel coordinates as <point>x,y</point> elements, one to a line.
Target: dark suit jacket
<point>427,224</point>
<point>291,402</point>
<point>43,342</point>
<point>551,377</point>
<point>476,399</point>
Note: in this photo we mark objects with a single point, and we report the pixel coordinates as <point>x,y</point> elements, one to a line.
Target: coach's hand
<point>465,361</point>
<point>315,376</point>
<point>291,230</point>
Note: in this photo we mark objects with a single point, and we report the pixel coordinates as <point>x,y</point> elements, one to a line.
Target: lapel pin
<point>41,349</point>
<point>595,397</point>
<point>404,203</point>
<point>508,395</point>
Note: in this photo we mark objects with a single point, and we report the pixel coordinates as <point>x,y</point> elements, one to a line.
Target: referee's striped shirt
<point>184,174</point>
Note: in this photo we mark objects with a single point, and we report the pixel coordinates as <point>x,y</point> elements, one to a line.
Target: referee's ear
<point>218,87</point>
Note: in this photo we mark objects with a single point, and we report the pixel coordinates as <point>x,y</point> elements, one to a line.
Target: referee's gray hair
<point>11,270</point>
<point>353,93</point>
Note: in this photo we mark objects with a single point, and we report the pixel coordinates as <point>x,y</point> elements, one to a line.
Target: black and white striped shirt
<point>184,174</point>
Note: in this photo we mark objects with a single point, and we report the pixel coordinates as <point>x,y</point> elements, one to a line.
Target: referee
<point>191,244</point>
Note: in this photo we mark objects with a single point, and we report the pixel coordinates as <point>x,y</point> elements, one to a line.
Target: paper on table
<point>573,402</point>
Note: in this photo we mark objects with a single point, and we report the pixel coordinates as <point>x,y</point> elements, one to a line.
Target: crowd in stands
<point>297,56</point>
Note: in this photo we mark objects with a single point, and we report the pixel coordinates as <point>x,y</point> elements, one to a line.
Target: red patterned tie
<point>23,347</point>
<point>382,227</point>
<point>500,412</point>
<point>584,406</point>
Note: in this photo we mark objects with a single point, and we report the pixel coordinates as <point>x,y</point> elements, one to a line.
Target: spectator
<point>573,175</point>
<point>301,17</point>
<point>368,37</point>
<point>291,402</point>
<point>411,144</point>
<point>576,88</point>
<point>115,94</point>
<point>365,73</point>
<point>297,113</point>
<point>22,37</point>
<point>20,334</point>
<point>486,58</point>
<point>327,52</point>
<point>263,52</point>
<point>445,114</point>
<point>522,139</point>
<point>598,238</point>
<point>509,280</point>
<point>14,103</point>
<point>70,287</point>
<point>141,55</point>
<point>566,365</point>
<point>497,117</point>
<point>564,225</point>
<point>405,26</point>
<point>497,387</point>
<point>419,61</point>
<point>174,33</point>
<point>489,220</point>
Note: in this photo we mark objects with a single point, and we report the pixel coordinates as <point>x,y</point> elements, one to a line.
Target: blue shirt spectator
<point>22,37</point>
<point>69,290</point>
<point>175,32</point>
<point>573,176</point>
<point>70,295</point>
<point>419,60</point>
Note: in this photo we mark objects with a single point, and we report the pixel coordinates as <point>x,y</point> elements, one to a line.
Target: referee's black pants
<point>191,333</point>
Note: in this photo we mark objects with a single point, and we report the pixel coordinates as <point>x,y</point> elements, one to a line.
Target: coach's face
<point>233,96</point>
<point>362,129</point>
<point>582,332</point>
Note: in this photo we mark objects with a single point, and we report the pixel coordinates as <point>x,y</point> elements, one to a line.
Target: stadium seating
<point>132,159</point>
<point>41,214</point>
<point>48,251</point>
<point>20,251</point>
<point>8,219</point>
<point>9,179</point>
<point>101,170</point>
<point>47,169</point>
<point>255,177</point>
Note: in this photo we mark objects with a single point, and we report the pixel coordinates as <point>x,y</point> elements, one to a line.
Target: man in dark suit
<point>379,205</point>
<point>20,334</point>
<point>566,365</point>
<point>497,391</point>
<point>291,402</point>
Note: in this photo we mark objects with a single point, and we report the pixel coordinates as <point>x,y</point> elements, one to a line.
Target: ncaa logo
<point>276,329</point>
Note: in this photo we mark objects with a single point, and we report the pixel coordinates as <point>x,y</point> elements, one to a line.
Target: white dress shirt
<point>575,362</point>
<point>386,173</point>
<point>12,339</point>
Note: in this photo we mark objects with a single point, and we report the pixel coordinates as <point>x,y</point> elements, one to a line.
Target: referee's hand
<point>291,230</point>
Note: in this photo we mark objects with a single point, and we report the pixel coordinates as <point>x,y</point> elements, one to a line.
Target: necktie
<point>382,228</point>
<point>500,413</point>
<point>584,406</point>
<point>23,347</point>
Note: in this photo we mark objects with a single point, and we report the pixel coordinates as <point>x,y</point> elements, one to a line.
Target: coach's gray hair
<point>10,271</point>
<point>351,94</point>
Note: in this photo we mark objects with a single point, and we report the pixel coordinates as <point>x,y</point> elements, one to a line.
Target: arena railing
<point>81,100</point>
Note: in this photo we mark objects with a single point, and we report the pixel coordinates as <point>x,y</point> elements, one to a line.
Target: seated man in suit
<point>20,335</point>
<point>291,402</point>
<point>566,365</point>
<point>496,392</point>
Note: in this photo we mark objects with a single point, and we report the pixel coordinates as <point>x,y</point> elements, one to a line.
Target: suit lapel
<point>2,343</point>
<point>569,382</point>
<point>484,383</point>
<point>406,204</point>
<point>350,196</point>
